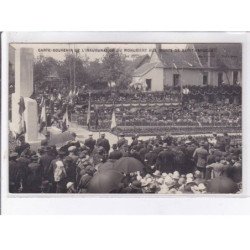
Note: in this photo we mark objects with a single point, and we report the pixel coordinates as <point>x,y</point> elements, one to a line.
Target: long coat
<point>103,142</point>
<point>165,161</point>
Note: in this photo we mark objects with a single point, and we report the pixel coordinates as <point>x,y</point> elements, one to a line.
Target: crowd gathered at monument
<point>163,165</point>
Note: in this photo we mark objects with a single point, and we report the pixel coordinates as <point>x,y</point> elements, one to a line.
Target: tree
<point>43,67</point>
<point>113,66</point>
<point>74,69</point>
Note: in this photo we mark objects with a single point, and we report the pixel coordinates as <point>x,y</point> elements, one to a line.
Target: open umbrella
<point>105,182</point>
<point>222,185</point>
<point>108,165</point>
<point>128,165</point>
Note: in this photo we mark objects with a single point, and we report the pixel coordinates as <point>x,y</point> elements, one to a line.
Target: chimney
<point>158,47</point>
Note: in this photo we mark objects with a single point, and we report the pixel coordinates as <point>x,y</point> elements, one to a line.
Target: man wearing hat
<point>134,141</point>
<point>23,161</point>
<point>45,161</point>
<point>90,142</point>
<point>82,163</point>
<point>122,141</point>
<point>200,155</point>
<point>103,142</point>
<point>72,153</point>
<point>14,177</point>
<point>115,154</point>
<point>165,159</point>
<point>34,178</point>
<point>74,141</point>
<point>22,145</point>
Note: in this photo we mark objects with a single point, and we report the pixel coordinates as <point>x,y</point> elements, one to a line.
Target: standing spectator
<point>165,159</point>
<point>103,142</point>
<point>34,178</point>
<point>90,143</point>
<point>200,155</point>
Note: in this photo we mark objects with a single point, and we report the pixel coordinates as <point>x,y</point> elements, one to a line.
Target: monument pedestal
<point>31,120</point>
<point>23,59</point>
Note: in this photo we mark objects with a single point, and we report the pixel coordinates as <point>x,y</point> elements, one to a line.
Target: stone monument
<point>22,60</point>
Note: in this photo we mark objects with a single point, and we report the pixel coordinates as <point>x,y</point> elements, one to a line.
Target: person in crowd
<point>34,176</point>
<point>200,155</point>
<point>21,145</point>
<point>45,142</point>
<point>122,141</point>
<point>103,142</point>
<point>45,161</point>
<point>116,154</point>
<point>14,173</point>
<point>90,143</point>
<point>165,159</point>
<point>58,173</point>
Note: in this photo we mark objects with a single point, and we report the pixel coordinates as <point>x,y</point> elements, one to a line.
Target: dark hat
<point>46,149</point>
<point>61,152</point>
<point>73,134</point>
<point>34,157</point>
<point>21,138</point>
<point>114,146</point>
<point>122,134</point>
<point>32,152</point>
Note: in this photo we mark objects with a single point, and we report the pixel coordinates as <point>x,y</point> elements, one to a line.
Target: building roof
<point>197,56</point>
<point>144,68</point>
<point>179,59</point>
<point>222,56</point>
<point>136,63</point>
<point>170,60</point>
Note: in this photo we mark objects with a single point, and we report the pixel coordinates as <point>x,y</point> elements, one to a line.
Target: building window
<point>149,84</point>
<point>235,77</point>
<point>176,80</point>
<point>205,78</point>
<point>220,78</point>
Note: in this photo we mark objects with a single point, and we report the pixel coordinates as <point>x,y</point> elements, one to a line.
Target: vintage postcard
<point>125,118</point>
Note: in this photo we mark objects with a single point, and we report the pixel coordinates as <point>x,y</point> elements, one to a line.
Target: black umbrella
<point>105,182</point>
<point>222,185</point>
<point>128,165</point>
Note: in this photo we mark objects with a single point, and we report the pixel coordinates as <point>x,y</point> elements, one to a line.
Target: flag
<point>199,123</point>
<point>66,118</point>
<point>88,114</point>
<point>21,122</point>
<point>96,118</point>
<point>52,97</point>
<point>42,101</point>
<point>43,113</point>
<point>43,118</point>
<point>113,120</point>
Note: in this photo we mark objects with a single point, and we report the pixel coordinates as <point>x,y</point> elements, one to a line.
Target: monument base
<point>34,145</point>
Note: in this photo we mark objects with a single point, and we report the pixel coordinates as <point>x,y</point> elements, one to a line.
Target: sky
<point>94,51</point>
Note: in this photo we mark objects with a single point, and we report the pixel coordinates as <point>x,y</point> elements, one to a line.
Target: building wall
<point>164,77</point>
<point>227,77</point>
<point>156,75</point>
<point>187,76</point>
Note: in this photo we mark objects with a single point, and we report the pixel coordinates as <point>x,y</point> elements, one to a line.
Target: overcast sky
<point>58,51</point>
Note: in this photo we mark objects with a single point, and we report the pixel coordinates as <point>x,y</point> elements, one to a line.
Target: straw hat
<point>157,173</point>
<point>176,175</point>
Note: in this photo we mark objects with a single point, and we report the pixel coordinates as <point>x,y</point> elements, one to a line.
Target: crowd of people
<point>161,164</point>
<point>213,107</point>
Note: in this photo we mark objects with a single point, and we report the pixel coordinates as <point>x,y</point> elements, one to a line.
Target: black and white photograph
<point>125,118</point>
